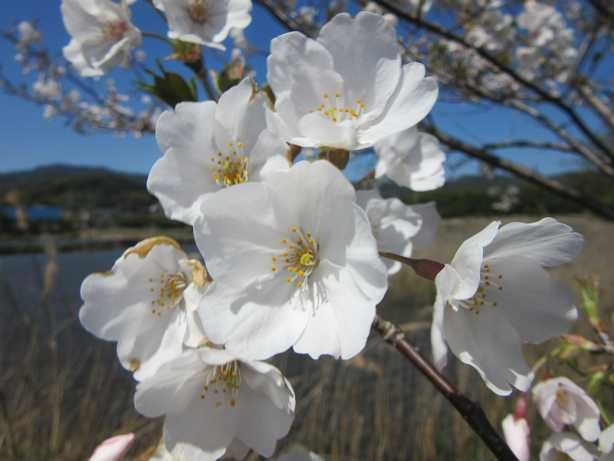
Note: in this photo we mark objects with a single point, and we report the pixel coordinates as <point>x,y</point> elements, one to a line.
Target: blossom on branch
<point>212,401</point>
<point>209,147</point>
<point>411,159</point>
<point>294,264</point>
<point>399,228</point>
<point>562,403</point>
<point>102,35</point>
<point>146,303</point>
<point>348,89</point>
<point>205,22</point>
<point>495,295</point>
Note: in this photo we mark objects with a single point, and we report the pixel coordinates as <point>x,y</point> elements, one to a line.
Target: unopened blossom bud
<point>113,449</point>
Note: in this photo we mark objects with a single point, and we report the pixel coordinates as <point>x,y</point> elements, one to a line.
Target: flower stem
<point>425,268</point>
<point>469,410</point>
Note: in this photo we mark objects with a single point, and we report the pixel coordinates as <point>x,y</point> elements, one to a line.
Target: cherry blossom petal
<point>538,306</point>
<point>549,242</point>
<point>415,97</point>
<point>488,343</point>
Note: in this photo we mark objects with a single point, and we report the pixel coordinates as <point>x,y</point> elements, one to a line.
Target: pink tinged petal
<point>183,174</point>
<point>538,306</point>
<point>516,433</point>
<point>488,343</point>
<point>561,402</point>
<point>468,261</point>
<point>569,444</point>
<point>366,55</point>
<point>113,449</point>
<point>549,242</point>
<point>413,100</point>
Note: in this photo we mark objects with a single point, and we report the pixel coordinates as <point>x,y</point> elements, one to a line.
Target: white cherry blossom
<point>569,444</point>
<point>294,264</point>
<point>411,159</point>
<point>495,295</point>
<point>146,303</point>
<point>211,400</point>
<point>348,89</point>
<point>205,22</point>
<point>28,34</point>
<point>102,35</point>
<point>208,147</point>
<point>399,228</point>
<point>562,403</point>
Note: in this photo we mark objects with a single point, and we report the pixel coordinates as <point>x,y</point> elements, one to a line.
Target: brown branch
<point>525,173</point>
<point>284,19</point>
<point>522,143</point>
<point>471,411</point>
<point>545,95</point>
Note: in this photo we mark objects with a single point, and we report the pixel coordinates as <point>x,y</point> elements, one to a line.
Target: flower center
<point>562,400</point>
<point>170,289</point>
<point>488,281</point>
<point>300,257</point>
<point>230,169</point>
<point>225,379</point>
<point>197,10</point>
<point>115,30</point>
<point>333,108</point>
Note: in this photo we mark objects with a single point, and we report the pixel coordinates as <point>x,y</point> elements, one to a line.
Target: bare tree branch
<point>545,95</point>
<point>522,172</point>
<point>468,409</point>
<point>523,143</point>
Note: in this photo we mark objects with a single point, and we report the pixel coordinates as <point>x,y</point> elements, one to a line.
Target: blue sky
<point>28,140</point>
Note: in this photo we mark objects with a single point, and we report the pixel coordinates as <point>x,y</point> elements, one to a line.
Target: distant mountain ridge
<point>76,187</point>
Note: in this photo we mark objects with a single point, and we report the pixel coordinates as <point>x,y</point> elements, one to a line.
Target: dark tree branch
<point>525,173</point>
<point>545,95</point>
<point>471,411</point>
<point>522,143</point>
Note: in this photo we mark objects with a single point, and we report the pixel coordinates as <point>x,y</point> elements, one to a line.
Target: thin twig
<point>471,411</point>
<point>552,185</point>
<point>544,94</point>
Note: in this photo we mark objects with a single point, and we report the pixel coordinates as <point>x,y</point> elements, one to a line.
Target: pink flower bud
<point>516,432</point>
<point>113,449</point>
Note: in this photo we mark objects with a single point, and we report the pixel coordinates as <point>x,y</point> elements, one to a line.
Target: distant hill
<point>78,188</point>
<point>479,196</point>
<point>73,187</point>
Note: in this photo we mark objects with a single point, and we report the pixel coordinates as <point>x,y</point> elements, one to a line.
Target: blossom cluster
<point>571,414</point>
<point>290,255</point>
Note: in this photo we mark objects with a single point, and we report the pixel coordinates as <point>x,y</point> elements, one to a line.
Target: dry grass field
<point>62,391</point>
